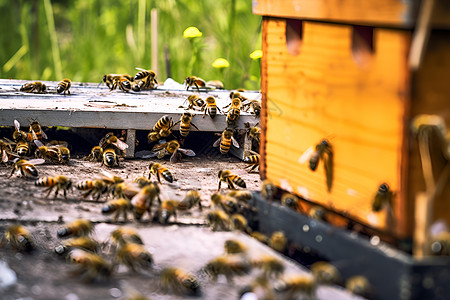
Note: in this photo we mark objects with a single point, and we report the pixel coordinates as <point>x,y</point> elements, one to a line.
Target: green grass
<point>84,39</point>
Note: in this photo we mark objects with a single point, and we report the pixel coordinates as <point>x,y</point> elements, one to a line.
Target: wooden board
<point>389,13</point>
<point>360,109</point>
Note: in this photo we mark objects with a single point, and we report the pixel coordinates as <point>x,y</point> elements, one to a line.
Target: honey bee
<point>253,133</point>
<point>295,285</point>
<point>215,84</point>
<point>111,141</point>
<point>19,135</point>
<point>143,201</point>
<point>18,237</point>
<point>142,181</point>
<point>268,190</point>
<point>233,112</point>
<point>278,241</point>
<point>22,148</point>
<point>194,81</point>
<point>33,87</point>
<point>79,227</point>
<point>96,187</point>
<point>384,196</point>
<point>51,153</point>
<point>125,190</point>
<point>26,168</point>
<point>210,107</point>
<point>291,201</point>
<point>159,171</point>
<point>323,151</point>
<point>358,285</point>
<point>260,288</point>
<point>64,86</point>
<point>124,235</point>
<point>271,266</point>
<point>186,123</point>
<point>134,256</point>
<point>58,182</point>
<point>82,242</point>
<point>110,158</point>
<point>234,247</point>
<point>195,102</point>
<point>230,179</point>
<point>227,203</point>
<point>171,148</point>
<point>5,147</point>
<point>252,161</point>
<point>96,154</point>
<point>167,209</point>
<point>218,220</point>
<point>253,105</point>
<point>240,223</point>
<point>65,154</point>
<point>260,237</point>
<point>326,273</point>
<point>225,141</point>
<point>236,94</point>
<point>147,79</point>
<point>317,213</point>
<point>244,196</point>
<point>36,131</point>
<point>119,206</point>
<point>227,265</point>
<point>179,281</point>
<point>162,128</point>
<point>109,79</point>
<point>191,199</point>
<point>90,266</point>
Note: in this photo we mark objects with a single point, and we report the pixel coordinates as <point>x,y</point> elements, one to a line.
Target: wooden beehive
<point>355,73</point>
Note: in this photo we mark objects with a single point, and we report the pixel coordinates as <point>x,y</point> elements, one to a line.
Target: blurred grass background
<point>85,39</point>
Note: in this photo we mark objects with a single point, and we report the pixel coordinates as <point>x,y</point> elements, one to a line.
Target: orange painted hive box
<point>355,74</point>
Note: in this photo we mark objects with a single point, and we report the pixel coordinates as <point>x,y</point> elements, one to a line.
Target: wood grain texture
<point>361,110</point>
<point>390,13</point>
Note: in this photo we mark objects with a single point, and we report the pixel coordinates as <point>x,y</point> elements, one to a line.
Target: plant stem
<point>53,38</point>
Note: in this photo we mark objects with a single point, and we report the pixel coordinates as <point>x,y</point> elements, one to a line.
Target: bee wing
<point>235,143</point>
<point>187,152</point>
<point>36,161</point>
<point>306,155</point>
<point>151,154</point>
<point>17,125</point>
<point>106,176</point>
<point>38,143</point>
<point>44,136</point>
<point>9,141</point>
<point>102,142</point>
<point>175,158</point>
<point>140,69</point>
<point>121,144</point>
<point>4,156</point>
<point>328,166</point>
<point>33,134</point>
<point>217,143</point>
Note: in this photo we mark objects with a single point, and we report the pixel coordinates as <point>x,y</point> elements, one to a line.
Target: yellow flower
<point>192,32</point>
<point>256,54</point>
<point>220,63</point>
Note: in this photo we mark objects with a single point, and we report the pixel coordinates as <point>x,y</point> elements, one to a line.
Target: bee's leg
<point>125,215</point>
<point>56,192</point>
<point>116,216</point>
<point>98,196</point>
<point>220,183</point>
<point>200,205</point>
<point>196,85</point>
<point>158,176</point>
<point>49,190</point>
<point>65,194</point>
<point>87,193</point>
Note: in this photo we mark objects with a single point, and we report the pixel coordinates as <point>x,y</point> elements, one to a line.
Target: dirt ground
<point>187,243</point>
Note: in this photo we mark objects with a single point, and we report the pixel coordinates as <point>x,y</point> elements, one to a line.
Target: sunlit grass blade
<point>15,58</point>
<point>53,38</point>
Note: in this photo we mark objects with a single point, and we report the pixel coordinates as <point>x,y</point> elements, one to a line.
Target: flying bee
<point>96,187</point>
<point>36,131</point>
<point>171,148</point>
<point>186,123</point>
<point>64,86</point>
<point>191,199</point>
<point>230,179</point>
<point>234,247</point>
<point>58,182</point>
<point>18,237</point>
<point>109,79</point>
<point>119,206</point>
<point>253,105</point>
<point>194,81</point>
<point>225,141</point>
<point>271,266</point>
<point>33,87</point>
<point>218,220</point>
<point>233,112</point>
<point>96,154</point>
<point>110,158</point>
<point>79,227</point>
<point>90,266</point>
<point>26,168</point>
<point>147,79</point>
<point>210,107</point>
<point>143,200</point>
<point>322,151</point>
<point>384,196</point>
<point>51,153</point>
<point>167,209</point>
<point>240,223</point>
<point>159,171</point>
<point>268,190</point>
<point>278,241</point>
<point>295,285</point>
<point>134,256</point>
<point>179,281</point>
<point>82,242</point>
<point>227,265</point>
<point>291,201</point>
<point>326,273</point>
<point>252,161</point>
<point>359,285</point>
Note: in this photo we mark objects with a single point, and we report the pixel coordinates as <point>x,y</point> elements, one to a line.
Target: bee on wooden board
<point>291,201</point>
<point>253,133</point>
<point>96,187</point>
<point>240,223</point>
<point>112,141</point>
<point>26,168</point>
<point>125,190</point>
<point>50,153</point>
<point>18,237</point>
<point>79,227</point>
<point>162,128</point>
<point>229,204</point>
<point>171,148</point>
<point>124,235</point>
<point>142,202</point>
<point>236,94</point>
<point>195,102</point>
<point>109,79</point>
<point>191,199</point>
<point>194,81</point>
<point>82,242</point>
<point>134,256</point>
<point>119,206</point>
<point>233,112</point>
<point>271,266</point>
<point>89,266</point>
<point>259,288</point>
<point>64,86</point>
<point>294,286</point>
<point>167,209</point>
<point>36,131</point>
<point>225,141</point>
<point>278,241</point>
<point>234,247</point>
<point>218,220</point>
<point>326,273</point>
<point>253,105</point>
<point>19,135</point>
<point>58,182</point>
<point>252,161</point>
<point>230,179</point>
<point>268,190</point>
<point>96,154</point>
<point>179,281</point>
<point>186,123</point>
<point>147,79</point>
<point>210,107</point>
<point>33,87</point>
<point>227,265</point>
<point>244,196</point>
